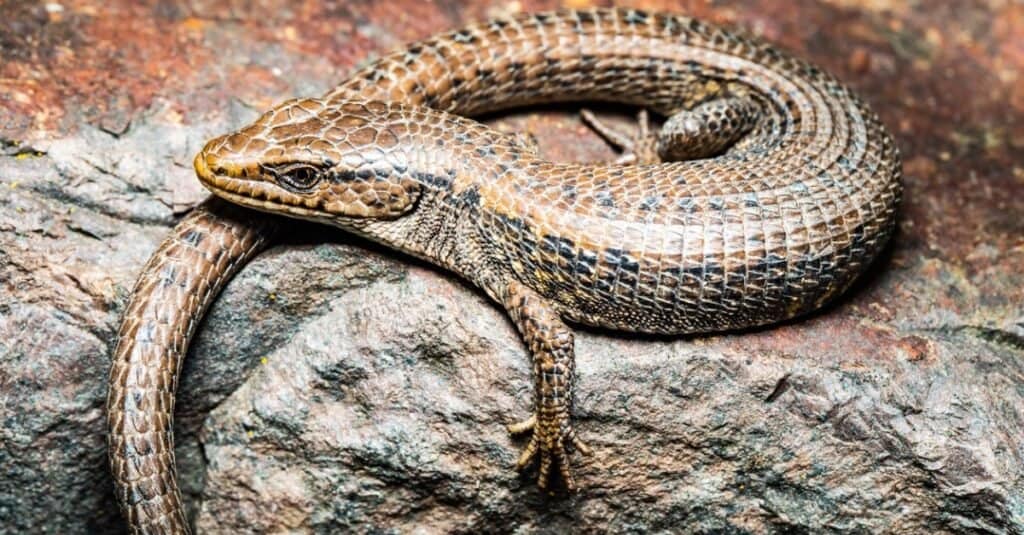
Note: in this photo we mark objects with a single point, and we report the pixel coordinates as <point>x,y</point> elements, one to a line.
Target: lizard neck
<point>457,171</point>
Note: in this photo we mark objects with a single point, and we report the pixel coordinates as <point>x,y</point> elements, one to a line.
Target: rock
<point>385,408</point>
<point>337,386</point>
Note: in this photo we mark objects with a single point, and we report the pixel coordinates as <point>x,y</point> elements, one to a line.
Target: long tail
<point>173,291</point>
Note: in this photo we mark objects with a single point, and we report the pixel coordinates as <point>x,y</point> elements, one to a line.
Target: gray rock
<point>384,411</point>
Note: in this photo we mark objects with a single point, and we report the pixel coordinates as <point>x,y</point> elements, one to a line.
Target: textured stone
<point>339,386</point>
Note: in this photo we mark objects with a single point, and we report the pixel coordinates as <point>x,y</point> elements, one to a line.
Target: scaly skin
<point>180,281</point>
<point>788,190</point>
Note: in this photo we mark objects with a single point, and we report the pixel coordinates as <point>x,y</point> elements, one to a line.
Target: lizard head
<point>308,159</point>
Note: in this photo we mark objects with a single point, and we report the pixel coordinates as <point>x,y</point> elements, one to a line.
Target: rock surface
<point>337,386</point>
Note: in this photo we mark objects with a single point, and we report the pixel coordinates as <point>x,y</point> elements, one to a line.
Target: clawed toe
<point>552,452</point>
<point>579,444</point>
<point>528,454</point>
<point>519,428</point>
<point>637,147</point>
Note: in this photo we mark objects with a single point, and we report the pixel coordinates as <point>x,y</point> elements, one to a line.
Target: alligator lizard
<point>768,189</point>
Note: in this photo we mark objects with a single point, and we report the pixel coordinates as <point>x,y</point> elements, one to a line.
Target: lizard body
<point>767,191</point>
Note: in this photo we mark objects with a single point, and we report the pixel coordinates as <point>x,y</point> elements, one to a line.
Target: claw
<point>626,158</point>
<point>551,451</point>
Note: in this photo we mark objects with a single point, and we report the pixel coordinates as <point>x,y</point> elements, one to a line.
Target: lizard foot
<point>549,441</point>
<point>639,146</point>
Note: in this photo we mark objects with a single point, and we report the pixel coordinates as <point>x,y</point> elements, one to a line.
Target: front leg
<point>551,345</point>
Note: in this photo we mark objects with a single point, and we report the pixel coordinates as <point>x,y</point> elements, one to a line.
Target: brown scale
<point>785,189</point>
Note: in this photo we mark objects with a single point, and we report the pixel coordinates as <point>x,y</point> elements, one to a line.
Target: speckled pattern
<point>793,195</point>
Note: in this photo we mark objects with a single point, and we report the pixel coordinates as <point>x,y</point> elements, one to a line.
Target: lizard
<point>768,189</point>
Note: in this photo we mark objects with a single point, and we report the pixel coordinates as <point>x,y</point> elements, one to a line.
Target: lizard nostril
<point>207,167</point>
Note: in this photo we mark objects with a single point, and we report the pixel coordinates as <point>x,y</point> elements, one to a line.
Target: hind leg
<point>702,132</point>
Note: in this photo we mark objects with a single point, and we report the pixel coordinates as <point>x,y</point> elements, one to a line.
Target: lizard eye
<point>296,176</point>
